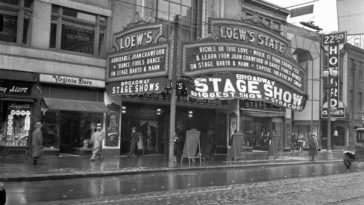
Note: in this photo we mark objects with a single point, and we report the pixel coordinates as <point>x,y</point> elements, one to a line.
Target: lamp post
<point>328,74</point>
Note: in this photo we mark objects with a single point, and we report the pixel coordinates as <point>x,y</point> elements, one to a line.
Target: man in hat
<point>134,139</point>
<point>37,142</point>
<point>96,140</point>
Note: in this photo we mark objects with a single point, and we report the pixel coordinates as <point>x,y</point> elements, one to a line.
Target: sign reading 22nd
<point>334,38</point>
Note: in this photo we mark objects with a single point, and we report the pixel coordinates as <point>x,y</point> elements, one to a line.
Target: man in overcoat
<point>37,142</point>
<point>96,140</point>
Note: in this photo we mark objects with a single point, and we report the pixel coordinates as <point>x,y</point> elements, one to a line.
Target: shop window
<point>15,17</point>
<point>77,31</point>
<point>14,124</point>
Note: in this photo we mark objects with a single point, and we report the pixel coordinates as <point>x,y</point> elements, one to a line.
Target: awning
<point>74,105</point>
<point>263,113</point>
<point>361,129</point>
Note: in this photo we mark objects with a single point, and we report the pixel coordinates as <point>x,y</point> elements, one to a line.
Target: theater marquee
<point>247,60</point>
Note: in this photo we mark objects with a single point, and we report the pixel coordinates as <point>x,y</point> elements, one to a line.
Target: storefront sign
<point>13,88</point>
<point>138,86</point>
<point>243,86</point>
<point>139,35</point>
<point>210,57</point>
<point>68,80</point>
<point>147,62</point>
<point>337,113</point>
<point>332,44</point>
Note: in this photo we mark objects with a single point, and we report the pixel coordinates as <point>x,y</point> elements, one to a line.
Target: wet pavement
<point>127,186</point>
<point>71,166</point>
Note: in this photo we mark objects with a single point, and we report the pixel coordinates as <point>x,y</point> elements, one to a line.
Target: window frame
<point>21,10</point>
<point>59,19</point>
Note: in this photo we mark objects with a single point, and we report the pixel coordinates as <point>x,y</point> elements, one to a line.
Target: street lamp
<point>328,74</point>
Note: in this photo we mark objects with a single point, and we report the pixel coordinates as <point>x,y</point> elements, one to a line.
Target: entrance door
<point>149,129</point>
<point>70,130</point>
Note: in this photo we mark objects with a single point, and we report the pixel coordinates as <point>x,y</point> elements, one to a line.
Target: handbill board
<point>245,86</point>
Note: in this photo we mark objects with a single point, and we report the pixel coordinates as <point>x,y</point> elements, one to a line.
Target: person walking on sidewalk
<point>37,142</point>
<point>96,139</point>
<point>312,146</point>
<point>134,140</point>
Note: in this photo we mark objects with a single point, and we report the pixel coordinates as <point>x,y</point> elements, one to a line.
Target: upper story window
<point>188,11</point>
<point>77,31</point>
<point>361,71</point>
<point>15,16</point>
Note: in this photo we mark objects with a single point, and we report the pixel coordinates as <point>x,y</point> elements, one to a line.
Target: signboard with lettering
<point>244,86</point>
<point>259,105</point>
<point>141,52</point>
<point>337,113</point>
<point>148,62</point>
<point>137,86</point>
<point>112,129</point>
<point>210,57</point>
<point>68,80</point>
<point>246,47</point>
<point>332,44</point>
<point>15,88</point>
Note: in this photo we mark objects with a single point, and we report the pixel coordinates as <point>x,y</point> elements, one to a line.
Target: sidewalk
<point>73,166</point>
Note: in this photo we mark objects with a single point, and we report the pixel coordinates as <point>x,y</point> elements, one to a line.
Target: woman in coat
<point>37,142</point>
<point>312,146</point>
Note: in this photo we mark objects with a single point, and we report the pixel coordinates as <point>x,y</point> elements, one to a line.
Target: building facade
<point>56,69</point>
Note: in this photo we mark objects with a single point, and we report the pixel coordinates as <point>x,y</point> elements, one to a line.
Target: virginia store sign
<point>257,60</point>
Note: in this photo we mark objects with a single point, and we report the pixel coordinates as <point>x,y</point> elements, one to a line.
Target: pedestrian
<point>37,142</point>
<point>2,194</point>
<point>96,140</point>
<point>312,146</point>
<point>134,139</point>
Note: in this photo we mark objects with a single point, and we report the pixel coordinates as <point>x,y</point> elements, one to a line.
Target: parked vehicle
<point>353,155</point>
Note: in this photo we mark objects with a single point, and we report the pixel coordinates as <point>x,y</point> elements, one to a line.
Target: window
<point>361,71</point>
<point>15,16</point>
<point>352,71</point>
<point>360,100</point>
<point>77,31</point>
<point>186,9</point>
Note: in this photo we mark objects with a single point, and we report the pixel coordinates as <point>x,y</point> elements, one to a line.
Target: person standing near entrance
<point>37,142</point>
<point>96,140</point>
<point>312,146</point>
<point>134,139</point>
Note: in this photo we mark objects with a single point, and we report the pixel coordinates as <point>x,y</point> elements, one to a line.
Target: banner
<point>244,86</point>
<point>138,86</point>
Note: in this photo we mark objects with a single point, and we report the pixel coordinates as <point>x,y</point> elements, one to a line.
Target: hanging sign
<point>137,86</point>
<point>244,86</point>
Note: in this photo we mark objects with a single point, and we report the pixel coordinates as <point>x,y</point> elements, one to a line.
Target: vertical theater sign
<point>246,60</point>
<point>332,44</point>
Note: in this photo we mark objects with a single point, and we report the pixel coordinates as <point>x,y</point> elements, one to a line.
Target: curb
<point>84,174</point>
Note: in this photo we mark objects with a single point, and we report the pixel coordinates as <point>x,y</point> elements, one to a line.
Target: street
<point>259,185</point>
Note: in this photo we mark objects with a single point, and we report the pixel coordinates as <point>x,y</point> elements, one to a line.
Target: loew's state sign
<point>244,86</point>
